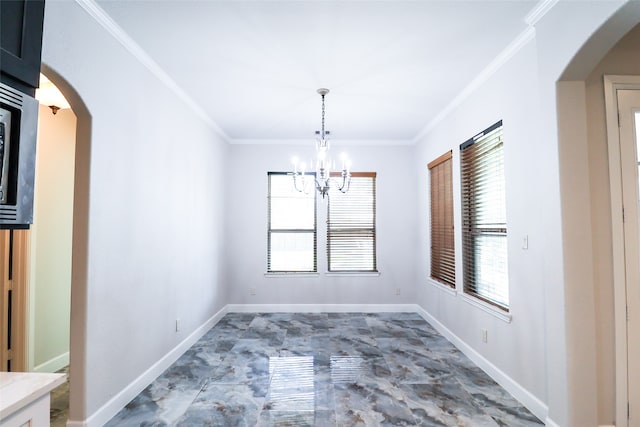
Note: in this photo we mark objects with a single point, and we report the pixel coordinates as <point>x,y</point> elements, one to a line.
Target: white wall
<point>517,348</point>
<point>586,178</point>
<point>247,226</point>
<point>154,231</point>
<point>155,237</point>
<point>50,262</point>
<point>570,49</point>
<point>542,348</point>
<point>623,59</point>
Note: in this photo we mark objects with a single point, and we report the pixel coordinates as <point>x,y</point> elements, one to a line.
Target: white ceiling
<point>254,66</point>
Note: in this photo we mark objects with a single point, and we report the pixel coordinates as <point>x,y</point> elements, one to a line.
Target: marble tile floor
<point>324,369</point>
<point>59,408</point>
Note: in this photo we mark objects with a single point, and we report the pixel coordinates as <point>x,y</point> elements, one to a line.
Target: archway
<point>77,341</point>
<point>586,202</point>
<point>48,260</point>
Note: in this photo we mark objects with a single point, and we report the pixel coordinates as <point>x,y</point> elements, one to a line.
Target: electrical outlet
<point>525,242</point>
<point>177,325</point>
<point>397,291</point>
<point>252,291</point>
<point>484,336</point>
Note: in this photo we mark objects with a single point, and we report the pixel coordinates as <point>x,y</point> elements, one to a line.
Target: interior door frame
<point>15,253</point>
<point>613,83</point>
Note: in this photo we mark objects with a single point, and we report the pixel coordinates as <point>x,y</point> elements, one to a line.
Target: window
<point>351,225</point>
<point>291,240</point>
<point>443,267</point>
<point>484,223</point>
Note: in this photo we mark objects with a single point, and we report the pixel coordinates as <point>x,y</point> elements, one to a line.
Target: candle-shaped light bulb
<point>343,156</point>
<point>303,166</point>
<point>322,155</point>
<point>348,164</point>
<point>295,164</point>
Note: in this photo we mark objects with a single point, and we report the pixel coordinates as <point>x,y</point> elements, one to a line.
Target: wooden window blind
<point>484,224</point>
<point>292,236</point>
<point>351,225</point>
<point>443,268</point>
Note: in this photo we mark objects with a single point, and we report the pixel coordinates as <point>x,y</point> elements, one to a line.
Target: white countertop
<point>18,389</point>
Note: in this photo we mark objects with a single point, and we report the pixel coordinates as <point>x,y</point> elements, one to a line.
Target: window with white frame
<point>484,223</point>
<point>351,226</point>
<point>291,237</point>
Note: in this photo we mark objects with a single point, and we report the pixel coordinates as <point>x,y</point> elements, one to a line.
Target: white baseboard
<point>548,422</point>
<point>119,401</point>
<point>531,402</point>
<point>321,308</point>
<point>54,364</point>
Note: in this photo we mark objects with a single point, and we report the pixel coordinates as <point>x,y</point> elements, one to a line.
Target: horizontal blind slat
<point>484,227</point>
<point>442,231</point>
<point>351,244</point>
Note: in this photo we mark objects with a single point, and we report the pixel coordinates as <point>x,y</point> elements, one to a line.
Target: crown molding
<point>503,57</point>
<point>532,18</point>
<point>118,33</point>
<point>310,140</point>
<point>539,11</point>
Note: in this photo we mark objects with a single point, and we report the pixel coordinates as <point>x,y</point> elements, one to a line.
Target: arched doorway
<point>593,308</point>
<point>77,335</point>
<point>49,257</point>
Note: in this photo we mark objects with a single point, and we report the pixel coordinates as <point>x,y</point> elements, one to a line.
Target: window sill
<point>352,274</point>
<point>487,308</point>
<point>292,274</point>
<point>445,288</point>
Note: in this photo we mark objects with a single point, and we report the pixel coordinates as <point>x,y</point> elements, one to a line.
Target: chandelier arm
<point>346,182</point>
<point>304,188</point>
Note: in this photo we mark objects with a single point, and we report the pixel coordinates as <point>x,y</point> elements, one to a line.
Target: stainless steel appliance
<point>5,148</point>
<point>18,132</point>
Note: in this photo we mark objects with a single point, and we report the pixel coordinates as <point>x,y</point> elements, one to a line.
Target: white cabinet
<point>24,398</point>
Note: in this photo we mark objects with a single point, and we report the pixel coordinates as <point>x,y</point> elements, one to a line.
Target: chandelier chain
<point>323,116</point>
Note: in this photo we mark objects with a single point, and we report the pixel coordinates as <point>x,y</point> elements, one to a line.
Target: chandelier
<point>323,179</point>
